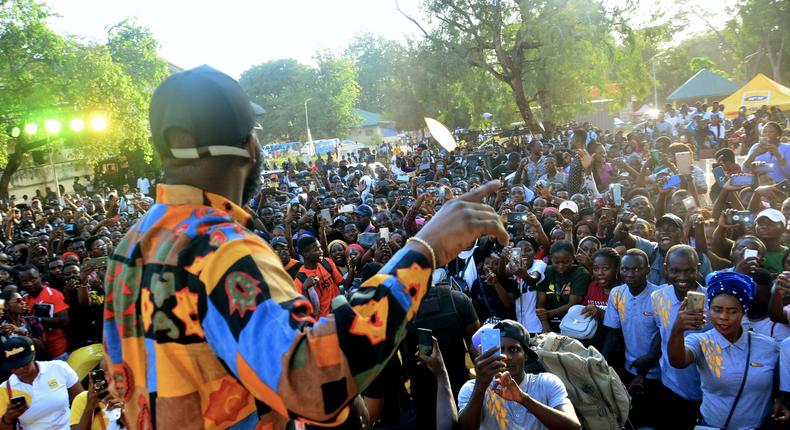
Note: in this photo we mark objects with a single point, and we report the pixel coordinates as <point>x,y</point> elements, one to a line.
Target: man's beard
<point>253,182</point>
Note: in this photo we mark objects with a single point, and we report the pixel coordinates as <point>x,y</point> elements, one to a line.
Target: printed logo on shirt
<point>495,405</point>
<point>712,352</point>
<point>661,305</point>
<point>53,384</point>
<point>618,299</point>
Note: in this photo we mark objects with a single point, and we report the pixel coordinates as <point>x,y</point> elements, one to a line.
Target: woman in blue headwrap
<point>736,366</point>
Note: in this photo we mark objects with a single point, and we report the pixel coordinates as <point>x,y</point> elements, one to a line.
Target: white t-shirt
<point>48,396</point>
<point>499,414</point>
<point>144,185</point>
<point>527,301</point>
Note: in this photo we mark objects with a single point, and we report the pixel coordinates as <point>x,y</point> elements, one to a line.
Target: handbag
<point>576,325</point>
<point>740,390</point>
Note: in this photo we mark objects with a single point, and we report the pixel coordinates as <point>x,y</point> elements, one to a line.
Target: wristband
<point>426,245</point>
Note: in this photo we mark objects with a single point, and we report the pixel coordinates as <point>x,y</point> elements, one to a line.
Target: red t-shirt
<point>595,296</point>
<point>328,285</point>
<point>55,336</point>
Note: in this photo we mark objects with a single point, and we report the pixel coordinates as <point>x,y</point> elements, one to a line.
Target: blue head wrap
<point>734,284</point>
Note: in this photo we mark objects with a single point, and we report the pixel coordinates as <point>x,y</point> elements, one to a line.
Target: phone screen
<point>425,340</point>
<point>490,339</point>
<point>742,180</point>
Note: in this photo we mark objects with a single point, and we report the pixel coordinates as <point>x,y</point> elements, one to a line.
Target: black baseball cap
<point>17,352</point>
<point>514,330</point>
<point>209,105</point>
<point>672,219</point>
<point>279,241</point>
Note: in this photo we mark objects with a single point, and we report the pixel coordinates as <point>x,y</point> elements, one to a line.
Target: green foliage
<point>374,57</point>
<point>282,86</point>
<point>45,75</point>
<point>548,54</point>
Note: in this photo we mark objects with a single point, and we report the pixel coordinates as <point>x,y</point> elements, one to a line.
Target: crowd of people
<point>684,277</point>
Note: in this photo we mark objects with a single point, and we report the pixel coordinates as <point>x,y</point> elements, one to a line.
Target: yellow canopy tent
<point>761,90</point>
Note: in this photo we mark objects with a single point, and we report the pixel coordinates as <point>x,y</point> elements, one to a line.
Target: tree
<point>283,86</point>
<point>45,75</point>
<point>764,26</point>
<point>280,86</point>
<point>374,57</point>
<point>547,53</point>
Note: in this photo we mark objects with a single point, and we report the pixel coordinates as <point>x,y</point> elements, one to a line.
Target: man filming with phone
<point>504,396</point>
<point>96,408</point>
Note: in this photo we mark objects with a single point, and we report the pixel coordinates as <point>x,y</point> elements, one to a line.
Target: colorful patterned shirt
<point>204,329</point>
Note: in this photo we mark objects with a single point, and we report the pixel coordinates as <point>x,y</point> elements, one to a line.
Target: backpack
<point>301,276</point>
<point>596,392</point>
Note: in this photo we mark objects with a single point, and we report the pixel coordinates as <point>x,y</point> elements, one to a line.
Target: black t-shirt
<point>486,300</point>
<point>85,322</point>
<point>558,288</point>
<point>447,313</point>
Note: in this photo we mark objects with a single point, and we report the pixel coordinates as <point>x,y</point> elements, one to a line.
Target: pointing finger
<point>477,194</point>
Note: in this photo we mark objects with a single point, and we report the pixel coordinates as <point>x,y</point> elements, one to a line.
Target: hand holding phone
<point>696,301</point>
<point>425,339</point>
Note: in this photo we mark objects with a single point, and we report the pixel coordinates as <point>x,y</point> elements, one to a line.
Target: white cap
<point>570,205</point>
<point>772,214</point>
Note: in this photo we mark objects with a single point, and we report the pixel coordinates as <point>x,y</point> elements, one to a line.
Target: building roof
<point>370,119</point>
<point>704,84</point>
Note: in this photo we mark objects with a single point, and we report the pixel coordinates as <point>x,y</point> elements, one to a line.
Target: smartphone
<point>402,178</point>
<point>749,253</point>
<point>2,304</point>
<point>18,401</point>
<point>515,255</point>
<point>69,228</point>
<point>683,162</point>
<point>689,203</point>
<point>384,233</point>
<point>489,339</point>
<point>325,214</point>
<point>742,180</point>
<point>346,209</point>
<point>425,339</point>
<point>696,301</point>
<point>311,186</point>
<point>674,181</point>
<point>43,310</point>
<point>617,194</point>
<point>740,217</point>
<point>784,186</point>
<point>99,262</point>
<point>99,381</point>
<point>720,175</point>
<point>517,217</point>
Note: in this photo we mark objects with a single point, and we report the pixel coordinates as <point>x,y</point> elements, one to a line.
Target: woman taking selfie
<point>736,366</point>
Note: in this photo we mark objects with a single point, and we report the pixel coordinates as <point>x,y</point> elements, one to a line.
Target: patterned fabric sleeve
<point>575,176</point>
<point>261,329</point>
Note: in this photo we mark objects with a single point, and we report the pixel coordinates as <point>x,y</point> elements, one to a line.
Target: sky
<point>233,35</point>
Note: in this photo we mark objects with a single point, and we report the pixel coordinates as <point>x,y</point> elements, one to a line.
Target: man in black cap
<point>363,214</point>
<point>504,396</point>
<point>669,232</point>
<point>280,247</point>
<point>199,309</point>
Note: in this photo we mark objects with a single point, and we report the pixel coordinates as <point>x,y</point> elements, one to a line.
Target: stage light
<point>77,125</point>
<point>99,123</point>
<point>53,126</point>
<point>31,129</point>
